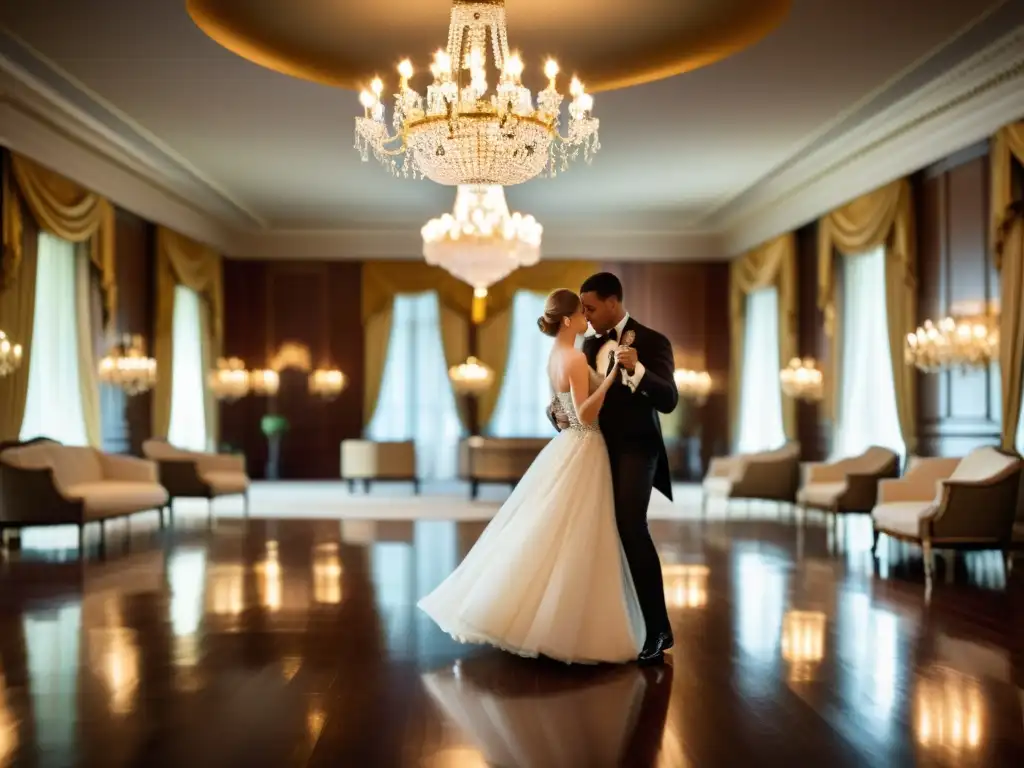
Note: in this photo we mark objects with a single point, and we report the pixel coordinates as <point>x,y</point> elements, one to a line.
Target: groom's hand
<point>626,357</point>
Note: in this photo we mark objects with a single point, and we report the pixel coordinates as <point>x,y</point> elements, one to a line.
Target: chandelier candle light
<point>10,355</point>
<point>127,366</point>
<point>953,343</point>
<point>459,133</point>
<point>802,380</point>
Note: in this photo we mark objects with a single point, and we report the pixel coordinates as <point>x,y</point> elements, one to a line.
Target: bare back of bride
<point>548,575</point>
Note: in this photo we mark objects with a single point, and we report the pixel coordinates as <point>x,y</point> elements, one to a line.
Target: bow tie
<point>612,335</point>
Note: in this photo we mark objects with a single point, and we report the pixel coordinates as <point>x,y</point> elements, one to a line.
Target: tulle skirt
<point>548,575</point>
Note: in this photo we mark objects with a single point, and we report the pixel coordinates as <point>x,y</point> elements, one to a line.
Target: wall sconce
<point>693,385</point>
<point>327,384</point>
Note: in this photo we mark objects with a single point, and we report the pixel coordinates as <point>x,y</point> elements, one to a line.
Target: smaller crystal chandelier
<point>471,378</point>
<point>693,385</point>
<point>482,242</point>
<point>126,366</point>
<point>264,382</point>
<point>326,384</point>
<point>230,381</point>
<point>953,343</point>
<point>10,355</point>
<point>802,380</point>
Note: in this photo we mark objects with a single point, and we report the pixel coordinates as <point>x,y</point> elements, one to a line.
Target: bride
<point>548,575</point>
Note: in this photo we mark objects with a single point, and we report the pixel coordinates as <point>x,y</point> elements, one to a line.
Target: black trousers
<point>633,468</point>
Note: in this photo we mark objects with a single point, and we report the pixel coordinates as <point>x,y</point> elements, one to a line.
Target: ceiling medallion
<point>481,243</point>
<point>460,135</point>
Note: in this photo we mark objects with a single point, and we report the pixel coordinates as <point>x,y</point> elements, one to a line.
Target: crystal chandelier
<point>10,355</point>
<point>953,343</point>
<point>264,382</point>
<point>802,380</point>
<point>693,385</point>
<point>326,384</point>
<point>126,366</point>
<point>481,243</point>
<point>458,134</point>
<point>230,381</point>
<point>471,378</point>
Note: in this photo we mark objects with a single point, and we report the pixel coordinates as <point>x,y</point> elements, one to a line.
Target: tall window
<point>187,429</point>
<point>526,387</point>
<point>760,427</point>
<point>416,400</point>
<point>53,404</point>
<point>867,400</point>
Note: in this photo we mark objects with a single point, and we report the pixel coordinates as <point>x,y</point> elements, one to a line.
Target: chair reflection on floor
<point>543,714</point>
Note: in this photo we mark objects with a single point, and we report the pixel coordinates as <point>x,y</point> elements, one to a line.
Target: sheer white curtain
<point>53,404</point>
<point>760,427</point>
<point>867,397</point>
<point>187,429</point>
<point>416,400</point>
<point>526,388</point>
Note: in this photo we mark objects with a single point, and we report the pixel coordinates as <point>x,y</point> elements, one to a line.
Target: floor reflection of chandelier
<point>481,243</point>
<point>953,343</point>
<point>126,366</point>
<point>802,380</point>
<point>470,378</point>
<point>10,355</point>
<point>458,134</point>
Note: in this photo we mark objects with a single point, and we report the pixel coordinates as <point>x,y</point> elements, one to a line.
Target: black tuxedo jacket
<point>628,419</point>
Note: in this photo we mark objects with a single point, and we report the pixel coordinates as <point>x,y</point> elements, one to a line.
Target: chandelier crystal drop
<point>953,343</point>
<point>802,380</point>
<point>459,132</point>
<point>480,242</point>
<point>128,367</point>
<point>10,355</point>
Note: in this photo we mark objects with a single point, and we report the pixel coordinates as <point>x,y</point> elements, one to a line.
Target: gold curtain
<point>770,264</point>
<point>1010,249</point>
<point>455,341</point>
<point>1007,148</point>
<point>383,280</point>
<point>65,209</point>
<point>88,381</point>
<point>377,330</point>
<point>493,337</point>
<point>17,317</point>
<point>183,261</point>
<point>883,218</point>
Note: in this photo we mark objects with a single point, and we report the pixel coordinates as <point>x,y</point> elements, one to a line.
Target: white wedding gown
<point>548,575</point>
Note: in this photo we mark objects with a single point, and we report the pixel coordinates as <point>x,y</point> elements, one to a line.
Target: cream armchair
<point>191,474</point>
<point>45,483</point>
<point>968,503</point>
<point>770,475</point>
<point>497,459</point>
<point>367,461</point>
<point>848,485</point>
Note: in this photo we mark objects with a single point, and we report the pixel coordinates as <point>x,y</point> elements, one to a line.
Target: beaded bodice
<point>562,403</point>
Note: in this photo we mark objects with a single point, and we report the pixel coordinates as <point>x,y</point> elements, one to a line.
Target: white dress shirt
<point>604,357</point>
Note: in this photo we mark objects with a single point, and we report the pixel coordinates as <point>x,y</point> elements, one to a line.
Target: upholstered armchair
<point>192,474</point>
<point>43,482</point>
<point>769,475</point>
<point>368,461</point>
<point>968,503</point>
<point>848,485</point>
<point>497,459</point>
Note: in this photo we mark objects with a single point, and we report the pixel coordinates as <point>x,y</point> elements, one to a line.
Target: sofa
<point>956,504</point>
<point>497,459</point>
<point>769,475</point>
<point>847,485</point>
<point>368,461</point>
<point>43,482</point>
<point>192,474</point>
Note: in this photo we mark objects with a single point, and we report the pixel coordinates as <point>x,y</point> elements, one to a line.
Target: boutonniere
<point>628,337</point>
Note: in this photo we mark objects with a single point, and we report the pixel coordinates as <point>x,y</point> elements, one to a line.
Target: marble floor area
<point>291,638</point>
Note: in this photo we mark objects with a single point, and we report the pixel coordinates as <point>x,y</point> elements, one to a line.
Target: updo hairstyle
<point>560,304</point>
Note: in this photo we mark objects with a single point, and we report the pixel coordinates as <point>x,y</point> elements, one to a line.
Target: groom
<point>630,425</point>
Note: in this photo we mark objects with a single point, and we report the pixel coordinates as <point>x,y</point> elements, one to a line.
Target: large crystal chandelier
<point>953,343</point>
<point>460,134</point>
<point>471,378</point>
<point>802,380</point>
<point>230,380</point>
<point>128,367</point>
<point>10,355</point>
<point>481,243</point>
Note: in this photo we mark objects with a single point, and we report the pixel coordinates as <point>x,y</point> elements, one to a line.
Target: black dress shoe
<point>654,650</point>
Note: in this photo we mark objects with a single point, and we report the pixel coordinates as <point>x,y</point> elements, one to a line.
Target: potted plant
<point>273,426</point>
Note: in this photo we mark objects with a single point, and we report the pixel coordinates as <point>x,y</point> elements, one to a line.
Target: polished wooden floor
<point>283,641</point>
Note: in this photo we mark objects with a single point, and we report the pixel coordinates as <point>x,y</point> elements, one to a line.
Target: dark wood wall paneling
<point>126,421</point>
<point>813,430</point>
<point>316,304</point>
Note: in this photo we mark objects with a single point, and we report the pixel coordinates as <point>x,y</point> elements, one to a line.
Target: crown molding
<point>967,104</point>
<point>407,243</point>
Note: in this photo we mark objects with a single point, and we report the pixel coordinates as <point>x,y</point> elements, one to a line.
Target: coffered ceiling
<point>692,155</point>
